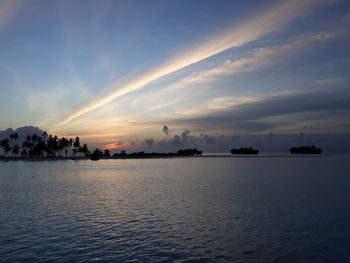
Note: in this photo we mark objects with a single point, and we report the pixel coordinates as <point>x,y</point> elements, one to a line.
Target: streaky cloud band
<point>266,22</point>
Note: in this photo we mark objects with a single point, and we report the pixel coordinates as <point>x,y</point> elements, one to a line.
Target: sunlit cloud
<point>195,83</point>
<point>117,145</point>
<point>177,98</point>
<point>267,21</point>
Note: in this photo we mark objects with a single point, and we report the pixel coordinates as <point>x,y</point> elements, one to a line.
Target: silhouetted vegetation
<point>47,146</point>
<point>185,152</point>
<point>96,155</point>
<point>106,153</point>
<point>305,150</point>
<point>44,146</point>
<point>245,150</point>
<point>188,152</point>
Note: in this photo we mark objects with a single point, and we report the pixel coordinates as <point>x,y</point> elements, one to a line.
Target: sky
<point>159,75</point>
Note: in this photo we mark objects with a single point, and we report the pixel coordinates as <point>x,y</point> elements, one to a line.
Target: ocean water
<point>205,209</point>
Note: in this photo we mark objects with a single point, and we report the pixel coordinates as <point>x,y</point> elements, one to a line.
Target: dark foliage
<point>245,150</point>
<point>36,146</point>
<point>188,152</point>
<point>305,150</point>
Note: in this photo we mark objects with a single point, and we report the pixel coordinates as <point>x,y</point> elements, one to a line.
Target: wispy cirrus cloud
<point>195,83</point>
<point>265,22</point>
<point>251,116</point>
<point>177,100</point>
<point>8,10</point>
<point>331,81</point>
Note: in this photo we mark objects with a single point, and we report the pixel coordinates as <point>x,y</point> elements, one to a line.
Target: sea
<point>196,209</point>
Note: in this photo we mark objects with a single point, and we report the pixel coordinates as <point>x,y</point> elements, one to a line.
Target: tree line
<point>43,146</point>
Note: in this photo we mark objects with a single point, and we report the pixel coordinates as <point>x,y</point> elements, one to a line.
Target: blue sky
<point>114,72</point>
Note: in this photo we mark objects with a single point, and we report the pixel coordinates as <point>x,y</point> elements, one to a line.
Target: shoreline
<point>13,159</point>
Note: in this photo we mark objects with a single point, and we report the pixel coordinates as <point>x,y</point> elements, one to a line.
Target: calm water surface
<point>176,210</point>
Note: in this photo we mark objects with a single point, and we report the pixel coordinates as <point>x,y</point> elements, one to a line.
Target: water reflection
<point>192,209</point>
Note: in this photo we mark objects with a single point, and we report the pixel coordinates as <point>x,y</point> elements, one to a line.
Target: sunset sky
<point>116,72</point>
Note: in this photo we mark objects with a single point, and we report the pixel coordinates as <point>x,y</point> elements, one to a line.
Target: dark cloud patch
<point>251,117</point>
<point>185,134</point>
<point>166,130</point>
<point>149,142</point>
<point>176,141</point>
<point>209,139</point>
<point>266,143</point>
<point>235,138</point>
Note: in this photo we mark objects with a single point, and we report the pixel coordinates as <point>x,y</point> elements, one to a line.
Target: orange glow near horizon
<point>117,145</point>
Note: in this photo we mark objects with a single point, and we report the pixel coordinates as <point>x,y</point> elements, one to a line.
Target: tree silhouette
<point>305,150</point>
<point>15,150</point>
<point>76,146</point>
<point>47,145</point>
<point>106,153</point>
<point>245,150</point>
<point>85,150</point>
<point>5,144</point>
<point>44,135</point>
<point>24,153</point>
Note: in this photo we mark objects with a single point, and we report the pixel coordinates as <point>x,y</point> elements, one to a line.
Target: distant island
<point>43,146</point>
<point>305,150</point>
<point>245,150</point>
<point>97,154</point>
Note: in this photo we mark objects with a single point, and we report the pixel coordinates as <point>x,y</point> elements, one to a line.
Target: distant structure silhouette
<point>245,150</point>
<point>305,150</point>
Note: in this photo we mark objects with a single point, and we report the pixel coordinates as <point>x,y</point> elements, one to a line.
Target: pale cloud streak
<point>268,21</point>
<point>194,85</point>
<point>258,58</point>
<point>8,10</point>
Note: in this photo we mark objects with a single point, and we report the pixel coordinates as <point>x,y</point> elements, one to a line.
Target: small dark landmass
<point>305,150</point>
<point>179,153</point>
<point>245,150</point>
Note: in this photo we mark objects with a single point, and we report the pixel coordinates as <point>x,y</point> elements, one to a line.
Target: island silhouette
<point>45,146</point>
<point>245,150</point>
<point>97,154</point>
<point>51,147</point>
<point>305,150</point>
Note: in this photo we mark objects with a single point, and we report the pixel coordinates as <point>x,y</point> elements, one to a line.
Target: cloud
<point>116,145</point>
<point>209,139</point>
<point>331,81</point>
<point>166,130</point>
<point>185,134</point>
<point>264,142</point>
<point>149,142</point>
<point>252,116</point>
<point>265,22</point>
<point>8,10</point>
<point>257,58</point>
<point>194,85</point>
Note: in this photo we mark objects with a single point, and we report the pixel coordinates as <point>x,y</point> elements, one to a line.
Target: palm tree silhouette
<point>15,150</point>
<point>44,135</point>
<point>5,146</point>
